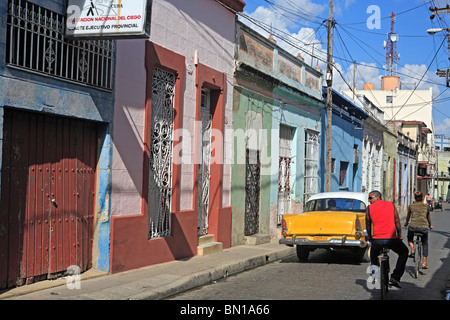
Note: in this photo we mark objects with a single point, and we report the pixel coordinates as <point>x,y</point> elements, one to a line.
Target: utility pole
<point>329,79</point>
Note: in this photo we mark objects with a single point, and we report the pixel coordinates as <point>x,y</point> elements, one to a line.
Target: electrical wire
<point>301,13</point>
<point>384,34</point>
<point>429,65</point>
<point>405,104</point>
<point>388,17</point>
<point>424,105</point>
<point>287,38</point>
<point>279,34</point>
<point>283,36</point>
<point>365,45</point>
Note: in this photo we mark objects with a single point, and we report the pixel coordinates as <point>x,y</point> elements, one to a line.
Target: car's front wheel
<point>302,253</point>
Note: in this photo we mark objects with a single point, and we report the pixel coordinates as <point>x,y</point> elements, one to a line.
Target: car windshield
<point>335,204</point>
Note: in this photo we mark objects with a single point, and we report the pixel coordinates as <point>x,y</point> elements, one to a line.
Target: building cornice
<point>233,5</point>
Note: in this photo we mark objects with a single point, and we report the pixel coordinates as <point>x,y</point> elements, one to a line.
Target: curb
<point>176,284</point>
<point>217,273</point>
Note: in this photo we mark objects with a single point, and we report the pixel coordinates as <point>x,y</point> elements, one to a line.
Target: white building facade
<point>400,105</point>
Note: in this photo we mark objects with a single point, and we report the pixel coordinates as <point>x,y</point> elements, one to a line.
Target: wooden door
<point>47,196</point>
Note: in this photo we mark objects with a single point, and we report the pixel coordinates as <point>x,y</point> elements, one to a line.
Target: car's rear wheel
<point>302,253</point>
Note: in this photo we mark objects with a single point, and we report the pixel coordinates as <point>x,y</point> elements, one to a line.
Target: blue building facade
<point>56,111</point>
<point>442,143</point>
<point>347,136</point>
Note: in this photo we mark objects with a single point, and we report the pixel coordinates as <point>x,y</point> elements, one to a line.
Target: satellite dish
<point>398,56</point>
<point>384,44</point>
<point>393,37</point>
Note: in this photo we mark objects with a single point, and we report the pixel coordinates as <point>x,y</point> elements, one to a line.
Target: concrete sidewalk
<point>154,282</point>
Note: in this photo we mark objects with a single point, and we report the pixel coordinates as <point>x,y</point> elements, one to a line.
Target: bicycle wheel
<point>384,279</point>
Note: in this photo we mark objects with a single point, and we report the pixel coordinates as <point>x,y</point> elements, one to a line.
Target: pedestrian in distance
<point>384,230</point>
<point>429,199</point>
<point>419,213</point>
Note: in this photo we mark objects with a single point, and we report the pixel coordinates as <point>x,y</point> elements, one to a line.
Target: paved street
<point>273,273</point>
<point>335,276</point>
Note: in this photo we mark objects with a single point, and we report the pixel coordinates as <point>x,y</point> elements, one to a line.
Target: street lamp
<point>436,30</point>
<point>442,73</point>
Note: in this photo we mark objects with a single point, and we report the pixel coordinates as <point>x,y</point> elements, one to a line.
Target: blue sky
<point>298,23</point>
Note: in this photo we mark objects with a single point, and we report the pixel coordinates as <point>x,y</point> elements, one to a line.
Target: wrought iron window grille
<point>204,172</point>
<point>311,163</point>
<point>160,177</point>
<point>36,43</point>
<point>252,192</point>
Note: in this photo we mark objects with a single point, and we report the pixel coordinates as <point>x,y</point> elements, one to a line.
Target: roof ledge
<point>234,5</point>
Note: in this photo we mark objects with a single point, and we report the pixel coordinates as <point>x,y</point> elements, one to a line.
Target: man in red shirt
<point>384,229</point>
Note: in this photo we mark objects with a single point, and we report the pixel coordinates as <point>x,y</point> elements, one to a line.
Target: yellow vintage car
<point>331,220</point>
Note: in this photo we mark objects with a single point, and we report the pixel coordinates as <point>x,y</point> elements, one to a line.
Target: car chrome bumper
<point>332,242</point>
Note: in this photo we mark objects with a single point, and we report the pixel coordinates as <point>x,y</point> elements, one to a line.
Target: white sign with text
<point>86,18</point>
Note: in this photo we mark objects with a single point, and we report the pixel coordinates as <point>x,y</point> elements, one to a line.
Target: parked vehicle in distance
<point>438,204</point>
<point>330,220</point>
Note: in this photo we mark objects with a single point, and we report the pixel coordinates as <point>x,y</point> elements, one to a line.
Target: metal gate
<point>47,196</point>
<point>284,171</point>
<point>252,191</point>
<point>204,175</point>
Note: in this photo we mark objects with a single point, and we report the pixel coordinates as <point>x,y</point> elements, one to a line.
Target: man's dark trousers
<point>395,245</point>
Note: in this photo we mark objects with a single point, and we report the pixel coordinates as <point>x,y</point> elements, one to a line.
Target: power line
<point>405,104</point>
<point>418,83</point>
<point>279,34</point>
<point>303,14</point>
<point>427,103</point>
<point>383,34</point>
<point>357,41</point>
<point>388,17</point>
<point>289,40</point>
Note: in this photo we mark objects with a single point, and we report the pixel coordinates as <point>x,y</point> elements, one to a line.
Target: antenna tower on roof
<point>391,50</point>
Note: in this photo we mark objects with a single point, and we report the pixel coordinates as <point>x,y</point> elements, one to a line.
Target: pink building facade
<point>173,93</point>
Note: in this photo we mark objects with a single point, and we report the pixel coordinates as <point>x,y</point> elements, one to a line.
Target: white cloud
<point>413,75</point>
<point>268,18</point>
<point>303,6</point>
<point>287,25</point>
<point>348,3</point>
<point>340,6</point>
<point>442,126</point>
<point>301,31</point>
<point>365,73</point>
<point>286,14</point>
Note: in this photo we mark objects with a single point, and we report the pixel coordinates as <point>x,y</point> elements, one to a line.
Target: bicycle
<point>383,258</point>
<point>418,252</point>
